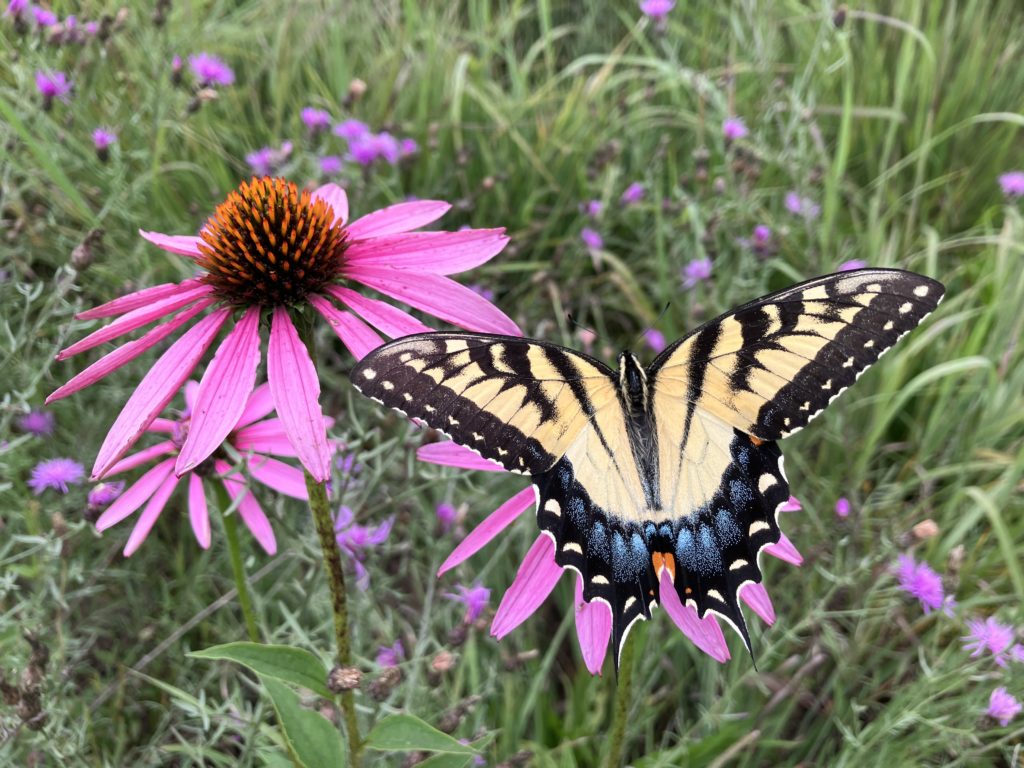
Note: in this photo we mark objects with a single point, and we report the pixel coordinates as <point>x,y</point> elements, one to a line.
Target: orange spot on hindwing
<point>664,560</point>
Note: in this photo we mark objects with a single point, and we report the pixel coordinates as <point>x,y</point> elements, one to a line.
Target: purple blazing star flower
<point>843,507</point>
<point>43,16</point>
<point>316,120</point>
<point>37,422</point>
<point>655,339</point>
<point>593,208</point>
<point>989,635</point>
<point>330,165</point>
<point>104,494</point>
<point>475,598</point>
<point>1002,706</point>
<point>733,128</point>
<point>373,146</point>
<point>352,130</point>
<point>852,264</point>
<point>57,474</point>
<point>591,238</point>
<point>657,9</point>
<point>634,193</point>
<point>802,206</point>
<point>210,70</point>
<point>408,147</point>
<point>354,540</point>
<point>1012,183</point>
<point>920,581</point>
<point>52,85</point>
<point>446,516</point>
<point>102,138</point>
<point>391,655</point>
<point>696,271</point>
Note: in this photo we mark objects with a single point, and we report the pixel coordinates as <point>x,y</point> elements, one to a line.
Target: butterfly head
<point>632,383</point>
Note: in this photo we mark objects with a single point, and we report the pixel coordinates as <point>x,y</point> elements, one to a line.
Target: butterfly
<point>675,466</point>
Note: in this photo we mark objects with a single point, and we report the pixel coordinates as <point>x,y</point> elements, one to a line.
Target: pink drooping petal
<point>335,197</point>
<point>353,332</point>
<point>135,496</point>
<point>537,576</point>
<point>127,352</point>
<point>705,633</point>
<point>387,318</point>
<point>449,454</point>
<point>492,525</point>
<point>756,596</point>
<point>157,388</point>
<point>223,392</point>
<point>190,391</point>
<point>401,217</point>
<point>137,318</point>
<point>165,426</point>
<point>248,508</point>
<point>296,390</point>
<point>259,404</point>
<point>441,253</point>
<point>282,477</point>
<point>131,301</point>
<point>149,515</point>
<point>593,628</point>
<point>267,436</point>
<point>792,505</point>
<point>784,550</point>
<point>198,511</point>
<point>437,295</point>
<point>144,456</point>
<point>183,245</point>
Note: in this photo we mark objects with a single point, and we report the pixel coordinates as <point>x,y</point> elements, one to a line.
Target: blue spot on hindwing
<point>578,511</point>
<point>726,528</point>
<point>708,555</point>
<point>740,494</point>
<point>599,541</point>
<point>686,551</point>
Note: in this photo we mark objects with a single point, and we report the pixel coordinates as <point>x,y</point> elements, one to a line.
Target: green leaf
<point>282,662</point>
<point>405,733</point>
<point>311,739</point>
<point>447,761</point>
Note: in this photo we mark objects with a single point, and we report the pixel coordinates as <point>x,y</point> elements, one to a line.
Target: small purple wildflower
<point>105,494</point>
<point>696,271</point>
<point>475,598</point>
<point>210,70</point>
<point>920,581</point>
<point>408,147</point>
<point>92,28</point>
<point>16,7</point>
<point>351,130</point>
<point>391,656</point>
<point>347,464</point>
<point>634,193</point>
<point>657,9</point>
<point>354,540</point>
<point>370,147</point>
<point>37,422</point>
<point>989,635</point>
<point>593,208</point>
<point>655,339</point>
<point>1012,183</point>
<point>852,264</point>
<point>480,290</point>
<point>843,507</point>
<point>102,138</point>
<point>1017,653</point>
<point>733,128</point>
<point>1002,706</point>
<point>57,474</point>
<point>266,161</point>
<point>802,206</point>
<point>52,85</point>
<point>761,236</point>
<point>43,16</point>
<point>315,119</point>
<point>446,516</point>
<point>591,238</point>
<point>330,165</point>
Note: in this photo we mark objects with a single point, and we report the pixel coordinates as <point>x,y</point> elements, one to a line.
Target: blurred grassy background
<point>896,118</point>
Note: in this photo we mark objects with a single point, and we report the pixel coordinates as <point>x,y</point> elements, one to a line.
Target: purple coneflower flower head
<point>634,193</point>
<point>446,516</point>
<point>330,165</point>
<point>104,494</point>
<point>44,17</point>
<point>591,238</point>
<point>920,581</point>
<point>802,206</point>
<point>408,147</point>
<point>37,422</point>
<point>657,9</point>
<point>733,128</point>
<point>316,119</point>
<point>354,540</point>
<point>391,655</point>
<point>989,635</point>
<point>593,208</point>
<point>1012,183</point>
<point>842,507</point>
<point>210,70</point>
<point>352,130</point>
<point>655,339</point>
<point>52,85</point>
<point>267,160</point>
<point>57,474</point>
<point>1002,706</point>
<point>475,598</point>
<point>696,271</point>
<point>852,264</point>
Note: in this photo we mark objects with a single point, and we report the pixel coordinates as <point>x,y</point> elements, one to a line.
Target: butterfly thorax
<point>632,385</point>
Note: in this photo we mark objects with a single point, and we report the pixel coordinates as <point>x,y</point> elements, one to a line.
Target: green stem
<point>237,567</point>
<point>623,692</point>
<point>320,507</point>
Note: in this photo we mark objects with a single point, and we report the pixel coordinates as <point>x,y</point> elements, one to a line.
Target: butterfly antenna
<point>654,325</point>
<point>574,322</point>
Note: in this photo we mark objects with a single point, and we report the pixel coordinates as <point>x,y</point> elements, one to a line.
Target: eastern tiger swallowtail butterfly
<point>673,467</point>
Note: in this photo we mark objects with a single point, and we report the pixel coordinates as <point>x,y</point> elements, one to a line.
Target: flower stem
<point>319,506</point>
<point>623,691</point>
<point>237,567</point>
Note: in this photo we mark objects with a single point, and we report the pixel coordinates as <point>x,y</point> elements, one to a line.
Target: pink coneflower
<point>330,165</point>
<point>57,474</point>
<point>391,655</point>
<point>267,160</point>
<point>655,339</point>
<point>696,271</point>
<point>352,130</point>
<point>252,435</point>
<point>1012,183</point>
<point>539,573</point>
<point>354,540</point>
<point>246,272</point>
<point>920,581</point>
<point>475,598</point>
<point>989,635</point>
<point>657,9</point>
<point>104,494</point>
<point>1002,706</point>
<point>634,193</point>
<point>209,70</point>
<point>848,266</point>
<point>447,515</point>
<point>591,238</point>
<point>802,206</point>
<point>733,128</point>
<point>315,120</point>
<point>37,422</point>
<point>842,507</point>
<point>52,85</point>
